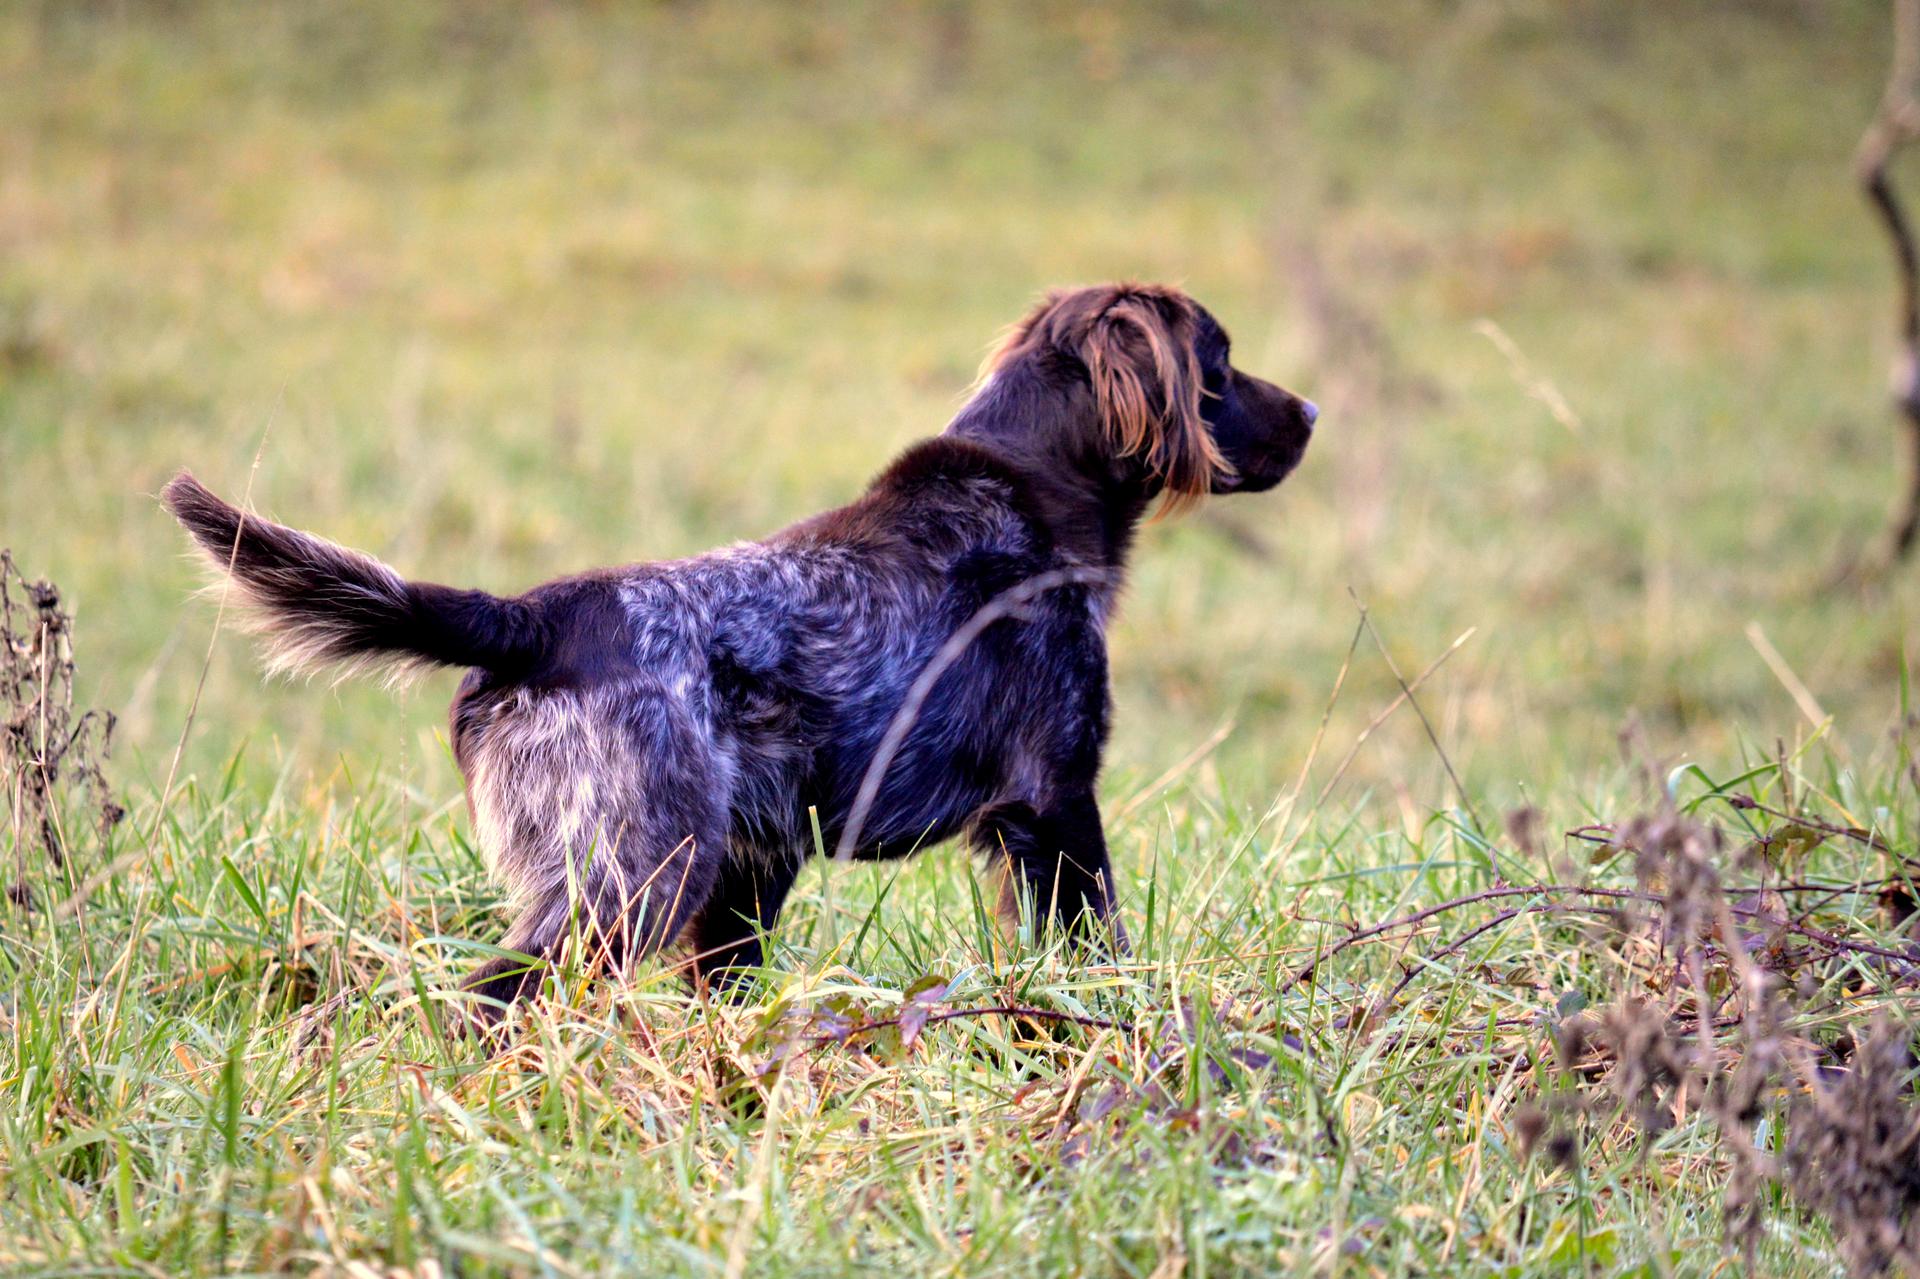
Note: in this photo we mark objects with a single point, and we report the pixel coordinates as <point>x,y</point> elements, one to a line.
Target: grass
<point>496,295</point>
<point>188,1092</point>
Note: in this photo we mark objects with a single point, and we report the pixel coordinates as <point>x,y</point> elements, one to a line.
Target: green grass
<point>499,294</point>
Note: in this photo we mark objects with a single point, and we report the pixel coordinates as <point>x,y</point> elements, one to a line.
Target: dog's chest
<point>952,722</point>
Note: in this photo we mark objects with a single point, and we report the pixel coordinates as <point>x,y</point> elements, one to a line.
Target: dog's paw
<point>489,993</point>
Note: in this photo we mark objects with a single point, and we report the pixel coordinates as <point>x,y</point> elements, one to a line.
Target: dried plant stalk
<point>44,746</point>
<point>1896,123</point>
<point>1706,1023</point>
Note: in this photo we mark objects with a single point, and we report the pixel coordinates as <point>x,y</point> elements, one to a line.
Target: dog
<point>646,748</point>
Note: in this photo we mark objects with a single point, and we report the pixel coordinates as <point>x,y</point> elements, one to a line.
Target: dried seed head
<point>1563,1150</point>
<point>1853,1154</point>
<point>1529,1126</point>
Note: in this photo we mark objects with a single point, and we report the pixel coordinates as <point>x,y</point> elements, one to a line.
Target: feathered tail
<point>321,604</point>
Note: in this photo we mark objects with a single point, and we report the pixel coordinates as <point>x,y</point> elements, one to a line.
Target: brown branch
<point>1465,939</point>
<point>1835,945</point>
<point>1417,917</point>
<point>1867,837</point>
<point>1895,124</point>
<point>1601,901</point>
<point>954,1014</point>
<point>1604,834</point>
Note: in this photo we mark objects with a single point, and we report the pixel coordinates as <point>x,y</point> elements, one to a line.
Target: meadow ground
<point>1599,326</point>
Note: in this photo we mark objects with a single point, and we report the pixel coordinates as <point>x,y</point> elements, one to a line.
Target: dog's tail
<point>320,604</point>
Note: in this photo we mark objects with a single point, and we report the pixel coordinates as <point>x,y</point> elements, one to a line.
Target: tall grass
<point>247,1055</point>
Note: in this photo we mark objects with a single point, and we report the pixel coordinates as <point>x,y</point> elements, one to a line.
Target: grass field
<point>1599,326</point>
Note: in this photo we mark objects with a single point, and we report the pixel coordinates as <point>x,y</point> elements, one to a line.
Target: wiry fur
<point>642,745</point>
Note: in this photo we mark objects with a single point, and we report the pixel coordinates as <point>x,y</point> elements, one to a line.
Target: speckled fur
<point>642,745</point>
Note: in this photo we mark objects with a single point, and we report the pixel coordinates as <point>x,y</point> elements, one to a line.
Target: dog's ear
<point>1141,354</point>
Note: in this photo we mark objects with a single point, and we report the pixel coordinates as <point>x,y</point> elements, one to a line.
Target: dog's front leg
<point>1053,861</point>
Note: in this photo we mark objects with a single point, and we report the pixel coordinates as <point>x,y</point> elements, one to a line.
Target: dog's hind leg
<point>605,821</point>
<point>630,905</point>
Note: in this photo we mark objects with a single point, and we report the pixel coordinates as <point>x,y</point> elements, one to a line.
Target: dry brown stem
<point>42,741</point>
<point>1895,124</point>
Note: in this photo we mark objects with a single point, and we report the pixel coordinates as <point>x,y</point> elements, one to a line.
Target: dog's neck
<point>1050,433</point>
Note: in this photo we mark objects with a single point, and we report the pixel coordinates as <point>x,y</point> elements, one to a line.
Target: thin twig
<point>1172,775</point>
<point>78,898</point>
<point>1460,943</point>
<point>1535,384</point>
<point>1895,124</point>
<point>1499,892</point>
<point>1854,833</point>
<point>956,1014</point>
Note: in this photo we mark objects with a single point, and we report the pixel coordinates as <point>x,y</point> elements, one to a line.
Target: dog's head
<point>1169,411</point>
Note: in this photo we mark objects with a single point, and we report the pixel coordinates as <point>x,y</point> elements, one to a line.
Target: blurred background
<point>1597,317</point>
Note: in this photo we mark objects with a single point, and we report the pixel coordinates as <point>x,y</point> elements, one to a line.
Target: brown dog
<point>642,745</point>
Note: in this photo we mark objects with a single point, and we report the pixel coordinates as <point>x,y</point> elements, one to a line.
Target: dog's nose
<point>1310,411</point>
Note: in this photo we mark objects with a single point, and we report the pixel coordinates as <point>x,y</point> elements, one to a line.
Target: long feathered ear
<point>1141,355</point>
